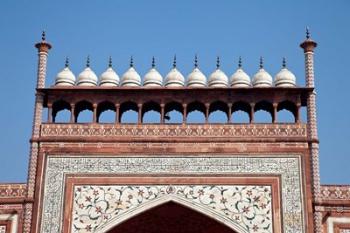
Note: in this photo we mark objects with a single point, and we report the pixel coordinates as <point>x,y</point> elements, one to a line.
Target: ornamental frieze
<point>208,131</point>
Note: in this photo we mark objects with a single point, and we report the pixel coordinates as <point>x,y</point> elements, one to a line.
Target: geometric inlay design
<point>248,206</point>
<point>2,229</point>
<point>286,167</point>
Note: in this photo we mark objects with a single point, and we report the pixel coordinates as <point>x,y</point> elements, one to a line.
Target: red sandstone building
<point>165,178</point>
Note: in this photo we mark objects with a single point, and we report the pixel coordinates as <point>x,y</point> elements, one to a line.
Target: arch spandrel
<point>242,208</point>
<point>221,219</point>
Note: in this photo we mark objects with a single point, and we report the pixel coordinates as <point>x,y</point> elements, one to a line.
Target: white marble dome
<point>87,77</point>
<point>196,78</point>
<point>153,78</point>
<point>218,78</point>
<point>262,78</point>
<point>240,78</point>
<point>285,78</point>
<point>131,78</point>
<point>174,78</point>
<point>65,77</point>
<point>109,78</point>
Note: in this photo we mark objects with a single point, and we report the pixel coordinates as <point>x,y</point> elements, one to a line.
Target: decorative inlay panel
<point>159,131</point>
<point>13,190</point>
<point>248,206</point>
<point>288,168</point>
<point>330,192</point>
<point>2,229</point>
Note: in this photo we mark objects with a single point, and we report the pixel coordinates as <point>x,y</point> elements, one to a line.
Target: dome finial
<point>66,64</point>
<point>131,61</point>
<point>43,36</point>
<point>261,64</point>
<point>153,62</point>
<point>217,62</point>
<point>195,61</point>
<point>174,62</point>
<point>240,62</point>
<point>88,61</point>
<point>110,62</point>
<point>307,33</point>
<point>284,63</point>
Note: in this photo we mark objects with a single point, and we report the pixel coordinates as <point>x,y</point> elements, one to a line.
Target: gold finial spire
<point>174,62</point>
<point>261,63</point>
<point>88,61</point>
<point>66,64</point>
<point>131,61</point>
<point>153,62</point>
<point>195,61</point>
<point>217,62</point>
<point>240,62</point>
<point>110,62</point>
<point>284,63</point>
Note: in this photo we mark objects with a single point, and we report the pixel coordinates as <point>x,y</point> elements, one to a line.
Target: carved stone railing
<point>13,191</point>
<point>161,132</point>
<point>335,192</point>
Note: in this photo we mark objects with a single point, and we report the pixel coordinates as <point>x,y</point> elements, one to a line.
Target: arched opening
<point>196,112</point>
<point>263,112</point>
<point>287,112</point>
<point>151,112</point>
<point>218,112</point>
<point>128,112</point>
<point>173,113</point>
<point>83,112</point>
<point>61,112</point>
<point>171,217</point>
<point>240,112</point>
<point>106,112</point>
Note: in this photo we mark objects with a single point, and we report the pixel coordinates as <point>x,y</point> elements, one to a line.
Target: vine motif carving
<point>249,130</point>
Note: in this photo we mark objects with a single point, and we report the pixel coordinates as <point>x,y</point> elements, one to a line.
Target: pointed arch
<point>210,213</point>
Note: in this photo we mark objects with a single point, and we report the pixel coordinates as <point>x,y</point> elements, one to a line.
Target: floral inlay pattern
<point>2,229</point>
<point>249,206</point>
<point>287,167</point>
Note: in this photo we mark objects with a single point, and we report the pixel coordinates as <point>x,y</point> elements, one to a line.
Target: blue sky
<point>250,29</point>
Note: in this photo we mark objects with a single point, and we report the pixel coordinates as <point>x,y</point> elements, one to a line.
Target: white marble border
<point>14,221</point>
<point>288,167</point>
<point>334,220</point>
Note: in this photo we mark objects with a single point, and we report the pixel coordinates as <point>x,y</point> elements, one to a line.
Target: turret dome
<point>174,78</point>
<point>285,78</point>
<point>131,78</point>
<point>218,78</point>
<point>262,78</point>
<point>196,78</point>
<point>153,78</point>
<point>240,78</point>
<point>109,78</point>
<point>65,77</point>
<point>87,77</point>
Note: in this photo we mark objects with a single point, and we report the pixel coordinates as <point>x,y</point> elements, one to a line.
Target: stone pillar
<point>207,106</point>
<point>274,114</point>
<point>49,113</point>
<point>308,46</point>
<point>162,119</point>
<point>43,49</point>
<point>229,113</point>
<point>139,121</point>
<point>184,120</point>
<point>251,114</point>
<point>72,113</point>
<point>117,109</point>
<point>94,117</point>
